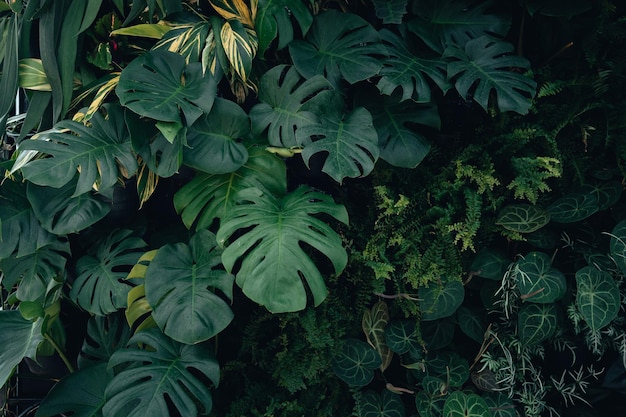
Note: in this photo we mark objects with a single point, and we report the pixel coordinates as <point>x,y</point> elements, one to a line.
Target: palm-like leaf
<point>484,66</point>
<point>275,270</point>
<point>274,19</point>
<point>100,152</point>
<point>105,335</point>
<point>338,46</point>
<point>160,371</point>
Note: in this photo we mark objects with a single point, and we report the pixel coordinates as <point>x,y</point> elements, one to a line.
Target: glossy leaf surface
<point>386,404</point>
<point>460,404</point>
<point>19,339</point>
<point>536,323</point>
<point>538,281</point>
<point>355,363</point>
<point>523,218</point>
<point>597,297</point>
<point>441,300</point>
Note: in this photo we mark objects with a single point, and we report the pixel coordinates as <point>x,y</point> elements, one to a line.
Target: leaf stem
<point>56,347</point>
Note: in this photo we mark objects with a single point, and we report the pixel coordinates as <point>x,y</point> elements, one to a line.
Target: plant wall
<point>314,208</point>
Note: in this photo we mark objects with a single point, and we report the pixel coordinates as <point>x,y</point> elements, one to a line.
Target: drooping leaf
<point>99,153</point>
<point>283,100</point>
<point>387,404</point>
<point>101,286</point>
<point>19,339</point>
<point>522,218</point>
<point>597,297</point>
<point>408,72</point>
<point>486,67</point>
<point>536,323</point>
<point>105,335</point>
<point>80,393</point>
<point>34,272</point>
<point>441,300</point>
<point>161,374</point>
<point>618,245</point>
<point>180,283</point>
<point>460,404</point>
<point>240,45</point>
<point>538,281</point>
<point>450,367</point>
<point>390,11</point>
<point>374,323</point>
<point>401,336</point>
<point>187,40</point>
<point>274,267</point>
<point>208,197</point>
<point>443,23</point>
<point>437,334</point>
<point>355,363</point>
<point>274,19</point>
<point>490,264</point>
<point>338,46</point>
<point>573,207</point>
<point>160,85</point>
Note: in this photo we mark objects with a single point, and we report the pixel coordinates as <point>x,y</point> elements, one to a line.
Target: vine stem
<point>56,347</point>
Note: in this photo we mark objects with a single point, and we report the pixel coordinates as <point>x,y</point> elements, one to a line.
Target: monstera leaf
<point>409,72</point>
<point>355,363</point>
<point>618,245</point>
<point>19,339</point>
<point>34,272</point>
<point>373,324</point>
<point>523,218</point>
<point>161,374</point>
<point>390,11</point>
<point>273,18</point>
<point>208,197</point>
<point>460,404</point>
<point>284,98</point>
<point>101,287</point>
<point>338,46</point>
<point>80,393</point>
<point>536,323</point>
<point>105,335</point>
<point>597,297</point>
<point>100,153</point>
<point>349,142</point>
<point>160,85</point>
<point>180,283</point>
<point>274,265</point>
<point>537,281</point>
<point>139,311</point>
<point>440,300</point>
<point>386,404</point>
<point>485,66</point>
<point>490,264</point>
<point>213,141</point>
<point>443,23</point>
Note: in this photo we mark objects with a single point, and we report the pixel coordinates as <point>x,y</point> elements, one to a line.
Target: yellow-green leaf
<point>32,75</point>
<point>240,46</point>
<point>144,30</point>
<point>101,95</point>
<point>236,9</point>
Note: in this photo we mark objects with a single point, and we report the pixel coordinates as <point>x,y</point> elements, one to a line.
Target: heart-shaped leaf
<point>536,323</point>
<point>355,363</point>
<point>213,141</point>
<point>460,404</point>
<point>597,297</point>
<point>618,245</point>
<point>180,283</point>
<point>449,366</point>
<point>573,207</point>
<point>273,18</point>
<point>160,374</point>
<point>490,264</point>
<point>387,404</point>
<point>275,271</point>
<point>438,334</point>
<point>441,300</point>
<point>537,281</point>
<point>19,339</point>
<point>105,335</point>
<point>160,85</point>
<point>501,405</point>
<point>523,218</point>
<point>374,323</point>
<point>472,323</point>
<point>429,405</point>
<point>484,68</point>
<point>401,336</point>
<point>101,286</point>
<point>606,193</point>
<point>339,46</point>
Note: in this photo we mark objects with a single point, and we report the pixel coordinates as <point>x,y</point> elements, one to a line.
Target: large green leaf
<point>536,323</point>
<point>275,270</point>
<point>606,193</point>
<point>443,23</point>
<point>19,339</point>
<point>100,152</point>
<point>214,140</point>
<point>618,245</point>
<point>101,286</point>
<point>161,374</point>
<point>283,100</point>
<point>485,67</point>
<point>401,336</point>
<point>460,404</point>
<point>80,393</point>
<point>355,363</point>
<point>180,286</point>
<point>374,323</point>
<point>390,11</point>
<point>437,334</point>
<point>574,207</point>
<point>430,401</point>
<point>338,46</point>
<point>522,218</point>
<point>387,404</point>
<point>450,367</point>
<point>441,300</point>
<point>472,323</point>
<point>348,142</point>
<point>34,272</point>
<point>597,297</point>
<point>105,335</point>
<point>61,213</point>
<point>538,281</point>
<point>10,28</point>
<point>409,72</point>
<point>274,18</point>
<point>160,85</point>
<point>490,264</point>
<point>208,197</point>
